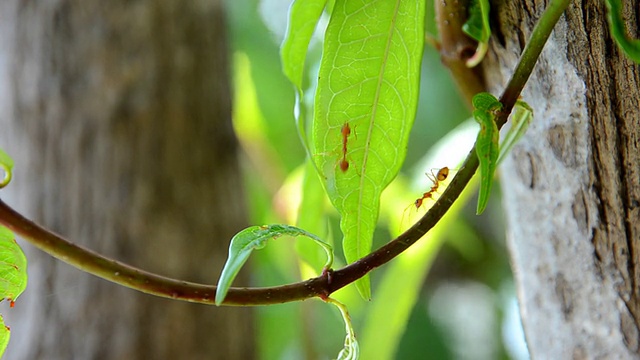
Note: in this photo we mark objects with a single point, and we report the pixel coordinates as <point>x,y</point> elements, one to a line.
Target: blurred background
<point>465,306</point>
<point>120,120</point>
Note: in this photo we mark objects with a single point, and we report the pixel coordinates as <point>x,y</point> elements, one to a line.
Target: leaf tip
<point>220,295</point>
<point>483,201</point>
<point>364,288</point>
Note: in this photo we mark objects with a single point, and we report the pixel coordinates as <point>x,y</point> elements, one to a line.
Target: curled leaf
<point>6,163</point>
<point>478,28</point>
<point>487,144</point>
<point>256,238</point>
<point>631,47</point>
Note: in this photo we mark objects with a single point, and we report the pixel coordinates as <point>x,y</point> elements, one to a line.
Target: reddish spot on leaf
<point>12,303</point>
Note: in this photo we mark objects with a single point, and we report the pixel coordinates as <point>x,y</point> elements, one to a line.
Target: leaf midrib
<point>374,110</point>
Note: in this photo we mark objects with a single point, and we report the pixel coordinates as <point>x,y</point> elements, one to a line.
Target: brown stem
<point>456,47</point>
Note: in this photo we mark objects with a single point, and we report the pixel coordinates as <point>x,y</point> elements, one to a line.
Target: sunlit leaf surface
<point>364,109</point>
<point>5,335</point>
<point>13,276</point>
<point>13,266</point>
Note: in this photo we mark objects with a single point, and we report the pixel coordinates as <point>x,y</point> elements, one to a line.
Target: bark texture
<point>572,185</point>
<point>118,116</point>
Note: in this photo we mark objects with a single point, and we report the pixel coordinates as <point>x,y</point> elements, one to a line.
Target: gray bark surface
<point>117,114</point>
<point>572,185</point>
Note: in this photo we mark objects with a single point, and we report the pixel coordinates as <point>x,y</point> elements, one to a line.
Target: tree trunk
<point>572,185</point>
<point>118,116</point>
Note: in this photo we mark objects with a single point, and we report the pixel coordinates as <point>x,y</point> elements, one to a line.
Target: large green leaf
<point>364,109</point>
<point>255,238</point>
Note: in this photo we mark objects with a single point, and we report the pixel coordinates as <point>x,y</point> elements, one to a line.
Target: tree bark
<point>572,184</point>
<point>118,114</point>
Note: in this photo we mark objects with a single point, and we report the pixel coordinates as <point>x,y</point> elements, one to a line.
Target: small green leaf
<point>255,238</point>
<point>13,267</point>
<point>5,335</point>
<point>485,102</point>
<point>520,120</point>
<point>6,163</point>
<point>478,28</point>
<point>365,106</point>
<point>351,349</point>
<point>631,47</point>
<point>487,144</point>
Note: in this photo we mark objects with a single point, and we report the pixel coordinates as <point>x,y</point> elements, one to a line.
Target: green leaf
<point>303,18</point>
<point>631,47</point>
<point>5,335</point>
<point>255,238</point>
<point>13,276</point>
<point>13,267</point>
<point>478,28</point>
<point>520,120</point>
<point>477,25</point>
<point>364,108</point>
<point>6,163</point>
<point>485,102</point>
<point>487,144</point>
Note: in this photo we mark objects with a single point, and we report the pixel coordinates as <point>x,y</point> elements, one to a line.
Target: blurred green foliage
<point>470,270</point>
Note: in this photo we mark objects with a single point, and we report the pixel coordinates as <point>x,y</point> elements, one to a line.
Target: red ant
<point>437,178</point>
<point>345,131</point>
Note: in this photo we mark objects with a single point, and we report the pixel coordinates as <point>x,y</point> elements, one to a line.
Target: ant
<point>437,178</point>
<point>345,131</point>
